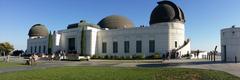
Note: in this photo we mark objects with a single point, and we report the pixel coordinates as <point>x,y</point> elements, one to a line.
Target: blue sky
<point>204,18</point>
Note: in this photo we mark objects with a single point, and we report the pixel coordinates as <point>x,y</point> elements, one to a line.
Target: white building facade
<point>230,46</point>
<point>117,36</point>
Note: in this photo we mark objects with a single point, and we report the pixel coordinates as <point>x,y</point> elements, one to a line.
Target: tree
<point>17,52</point>
<point>50,43</point>
<point>198,53</point>
<point>83,41</point>
<point>5,49</point>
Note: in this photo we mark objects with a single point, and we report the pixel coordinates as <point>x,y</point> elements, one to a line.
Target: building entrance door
<point>71,45</point>
<point>225,53</point>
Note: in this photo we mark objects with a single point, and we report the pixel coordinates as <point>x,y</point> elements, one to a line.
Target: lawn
<point>113,73</point>
<point>9,64</point>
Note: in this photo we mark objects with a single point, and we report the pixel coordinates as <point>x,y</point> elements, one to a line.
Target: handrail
<point>184,44</point>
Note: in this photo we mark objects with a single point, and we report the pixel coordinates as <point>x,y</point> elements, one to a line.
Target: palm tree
<point>5,49</point>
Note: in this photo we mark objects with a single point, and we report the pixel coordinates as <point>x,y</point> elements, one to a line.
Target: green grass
<point>9,64</point>
<point>113,73</point>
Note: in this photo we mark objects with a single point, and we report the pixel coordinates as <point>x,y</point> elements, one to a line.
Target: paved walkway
<point>231,68</point>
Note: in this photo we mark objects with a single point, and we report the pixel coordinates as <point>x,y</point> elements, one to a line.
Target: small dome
<point>115,22</point>
<point>166,11</point>
<point>38,30</point>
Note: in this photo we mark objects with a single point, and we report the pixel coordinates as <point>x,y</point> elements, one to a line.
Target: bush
<point>138,56</point>
<point>95,57</point>
<point>114,57</point>
<point>17,52</point>
<point>111,57</point>
<point>128,57</point>
<point>156,56</point>
<point>106,57</point>
<point>123,58</point>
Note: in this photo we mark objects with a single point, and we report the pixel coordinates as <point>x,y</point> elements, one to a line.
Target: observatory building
<point>116,35</point>
<point>230,46</point>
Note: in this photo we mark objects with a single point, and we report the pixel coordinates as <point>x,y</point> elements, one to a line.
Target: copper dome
<point>38,30</point>
<point>115,22</point>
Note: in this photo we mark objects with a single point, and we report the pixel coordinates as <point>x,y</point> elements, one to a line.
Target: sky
<point>204,18</point>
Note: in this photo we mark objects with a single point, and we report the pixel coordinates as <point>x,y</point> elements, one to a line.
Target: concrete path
<point>231,68</point>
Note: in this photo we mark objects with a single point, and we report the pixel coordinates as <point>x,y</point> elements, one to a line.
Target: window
<point>104,47</point>
<point>138,46</point>
<point>44,49</point>
<point>126,46</point>
<point>175,44</point>
<point>31,49</point>
<point>224,53</point>
<point>35,50</point>
<point>39,49</point>
<point>151,46</point>
<point>115,47</point>
<point>71,44</point>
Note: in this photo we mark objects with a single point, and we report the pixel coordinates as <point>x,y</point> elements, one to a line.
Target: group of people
<point>32,59</point>
<point>169,55</point>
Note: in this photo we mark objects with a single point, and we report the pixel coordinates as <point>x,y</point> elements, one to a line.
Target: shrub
<point>156,56</point>
<point>149,57</point>
<point>138,56</point>
<point>95,57</point>
<point>106,57</point>
<point>114,57</point>
<point>128,57</point>
<point>123,58</point>
<point>111,57</point>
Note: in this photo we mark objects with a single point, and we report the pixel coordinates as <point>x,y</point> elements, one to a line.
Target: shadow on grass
<point>182,63</point>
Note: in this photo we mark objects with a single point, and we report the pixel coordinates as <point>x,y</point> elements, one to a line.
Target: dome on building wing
<point>115,22</point>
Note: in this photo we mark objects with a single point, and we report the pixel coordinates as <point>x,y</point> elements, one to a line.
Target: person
<point>177,56</point>
<point>51,57</point>
<point>7,58</point>
<point>33,58</point>
<point>29,61</point>
<point>167,55</point>
<point>164,56</point>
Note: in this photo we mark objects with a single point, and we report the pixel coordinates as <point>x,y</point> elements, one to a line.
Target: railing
<point>184,44</point>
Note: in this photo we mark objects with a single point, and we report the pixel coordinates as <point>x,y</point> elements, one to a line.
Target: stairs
<point>184,44</point>
<point>174,51</point>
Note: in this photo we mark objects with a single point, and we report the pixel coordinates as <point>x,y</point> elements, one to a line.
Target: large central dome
<point>166,11</point>
<point>115,22</point>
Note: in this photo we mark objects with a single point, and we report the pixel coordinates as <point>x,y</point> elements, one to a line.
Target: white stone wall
<point>91,38</point>
<point>70,33</point>
<point>36,42</point>
<point>202,55</point>
<point>185,50</point>
<point>56,42</point>
<point>164,34</point>
<point>230,37</point>
<point>175,32</point>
